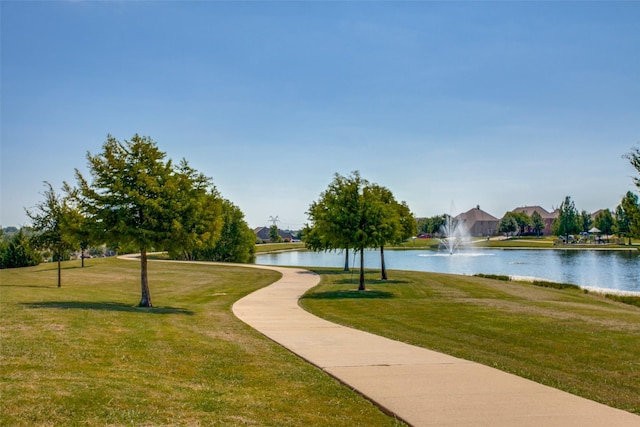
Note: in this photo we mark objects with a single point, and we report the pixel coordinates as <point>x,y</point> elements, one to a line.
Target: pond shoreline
<point>591,269</point>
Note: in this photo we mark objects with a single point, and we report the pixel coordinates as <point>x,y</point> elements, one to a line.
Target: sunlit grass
<point>276,247</point>
<point>584,344</point>
<point>85,355</point>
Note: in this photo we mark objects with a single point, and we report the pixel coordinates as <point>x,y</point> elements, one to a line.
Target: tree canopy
<point>537,222</point>
<point>508,224</point>
<point>18,251</point>
<point>634,158</point>
<point>355,214</point>
<point>236,242</point>
<point>567,221</point>
<point>604,221</point>
<point>52,221</point>
<point>335,216</point>
<point>137,197</point>
<point>627,222</point>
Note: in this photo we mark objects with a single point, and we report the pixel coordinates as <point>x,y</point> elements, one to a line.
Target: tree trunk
<point>59,271</point>
<point>145,300</point>
<point>82,258</point>
<point>346,259</point>
<point>383,266</point>
<point>361,286</point>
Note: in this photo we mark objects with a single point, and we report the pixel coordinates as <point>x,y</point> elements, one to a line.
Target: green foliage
<point>626,299</point>
<point>537,223</point>
<point>627,222</point>
<point>585,221</point>
<point>634,158</point>
<point>555,285</point>
<point>137,198</point>
<point>431,225</point>
<point>236,242</point>
<point>335,216</point>
<point>52,225</point>
<point>604,221</point>
<point>494,277</point>
<point>567,221</point>
<point>522,219</point>
<point>18,252</point>
<point>508,224</point>
<point>274,235</point>
<point>354,214</point>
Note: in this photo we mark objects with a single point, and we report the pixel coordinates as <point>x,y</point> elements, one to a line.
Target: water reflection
<point>602,269</point>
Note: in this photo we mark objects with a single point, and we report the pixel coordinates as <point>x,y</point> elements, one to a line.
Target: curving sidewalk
<point>419,386</point>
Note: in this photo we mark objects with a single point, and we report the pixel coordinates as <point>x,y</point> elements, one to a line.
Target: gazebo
<point>594,230</point>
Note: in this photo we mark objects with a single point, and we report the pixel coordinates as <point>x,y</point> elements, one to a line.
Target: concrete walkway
<point>419,386</point>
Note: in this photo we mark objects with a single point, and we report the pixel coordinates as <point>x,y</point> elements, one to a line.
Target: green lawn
<point>84,355</point>
<point>578,342</point>
<point>277,247</point>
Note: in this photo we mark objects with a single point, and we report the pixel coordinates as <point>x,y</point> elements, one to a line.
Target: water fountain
<point>454,234</point>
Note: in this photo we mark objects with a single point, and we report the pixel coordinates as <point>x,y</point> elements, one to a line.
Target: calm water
<point>619,270</point>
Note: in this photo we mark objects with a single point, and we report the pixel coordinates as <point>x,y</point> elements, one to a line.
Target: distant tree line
<point>624,221</point>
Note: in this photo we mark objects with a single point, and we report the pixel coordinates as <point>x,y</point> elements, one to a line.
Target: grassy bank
<point>584,344</point>
<point>278,247</point>
<point>84,355</point>
<point>544,242</point>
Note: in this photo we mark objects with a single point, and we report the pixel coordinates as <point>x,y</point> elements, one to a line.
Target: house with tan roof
<point>478,222</point>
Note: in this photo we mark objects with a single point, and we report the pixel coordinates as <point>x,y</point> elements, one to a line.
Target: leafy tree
<point>199,204</point>
<point>335,216</point>
<point>628,217</point>
<point>137,198</point>
<point>18,252</point>
<point>236,242</point>
<point>408,225</point>
<point>404,229</point>
<point>537,222</point>
<point>51,225</point>
<point>567,221</point>
<point>634,158</point>
<point>431,225</point>
<point>585,221</point>
<point>522,220</point>
<point>79,226</point>
<point>274,234</point>
<point>508,224</point>
<point>604,222</point>
<point>353,214</point>
<point>387,218</point>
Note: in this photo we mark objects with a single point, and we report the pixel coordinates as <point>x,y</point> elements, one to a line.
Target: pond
<point>616,270</point>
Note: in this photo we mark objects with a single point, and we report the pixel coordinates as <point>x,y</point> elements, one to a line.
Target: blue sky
<point>501,104</point>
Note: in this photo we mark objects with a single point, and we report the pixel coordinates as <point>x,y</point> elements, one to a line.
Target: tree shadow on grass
<point>350,294</point>
<point>53,286</point>
<point>51,267</point>
<point>108,306</point>
<point>355,280</point>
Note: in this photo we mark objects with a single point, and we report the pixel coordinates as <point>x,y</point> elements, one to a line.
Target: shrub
<point>626,299</point>
<point>494,276</point>
<point>555,285</point>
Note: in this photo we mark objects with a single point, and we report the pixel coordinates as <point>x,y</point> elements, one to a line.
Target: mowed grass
<point>84,355</point>
<point>581,343</point>
<point>278,247</point>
